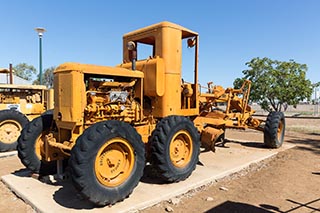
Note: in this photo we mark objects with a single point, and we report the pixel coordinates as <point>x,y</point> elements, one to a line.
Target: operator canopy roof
<point>185,32</point>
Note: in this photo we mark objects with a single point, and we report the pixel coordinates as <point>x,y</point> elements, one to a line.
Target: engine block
<point>111,101</point>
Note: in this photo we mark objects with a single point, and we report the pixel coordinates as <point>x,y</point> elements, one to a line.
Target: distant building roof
<point>5,79</point>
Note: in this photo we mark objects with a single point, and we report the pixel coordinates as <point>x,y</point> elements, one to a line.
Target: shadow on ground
<point>311,142</point>
<point>252,144</point>
<point>231,206</point>
<point>66,190</point>
<point>298,206</point>
<point>74,201</point>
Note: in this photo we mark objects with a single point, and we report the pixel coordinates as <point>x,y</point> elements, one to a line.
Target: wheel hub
<point>114,162</point>
<point>39,147</point>
<point>280,129</point>
<point>9,131</point>
<point>181,149</point>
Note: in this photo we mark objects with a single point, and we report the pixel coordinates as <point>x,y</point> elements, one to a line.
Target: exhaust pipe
<point>132,54</point>
<point>10,73</point>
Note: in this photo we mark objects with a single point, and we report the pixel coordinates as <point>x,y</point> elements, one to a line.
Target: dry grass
<point>303,129</point>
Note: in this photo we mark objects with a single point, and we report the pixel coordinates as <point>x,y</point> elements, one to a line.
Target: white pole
<point>317,100</point>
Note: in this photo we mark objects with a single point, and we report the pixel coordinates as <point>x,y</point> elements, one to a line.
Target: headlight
<point>131,45</point>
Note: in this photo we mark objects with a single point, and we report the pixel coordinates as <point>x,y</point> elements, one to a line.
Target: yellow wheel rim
<point>181,149</point>
<point>114,162</point>
<point>280,130</point>
<point>9,131</point>
<point>39,146</point>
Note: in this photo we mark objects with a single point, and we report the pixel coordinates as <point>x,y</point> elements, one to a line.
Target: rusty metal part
<point>209,137</point>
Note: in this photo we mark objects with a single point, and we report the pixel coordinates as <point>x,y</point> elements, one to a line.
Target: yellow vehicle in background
<point>110,121</point>
<point>18,105</point>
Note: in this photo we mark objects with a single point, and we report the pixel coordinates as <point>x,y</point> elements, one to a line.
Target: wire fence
<point>301,110</point>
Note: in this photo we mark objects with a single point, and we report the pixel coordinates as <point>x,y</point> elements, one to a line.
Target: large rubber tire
<point>30,145</point>
<point>11,124</point>
<point>107,162</point>
<point>175,148</point>
<point>274,130</point>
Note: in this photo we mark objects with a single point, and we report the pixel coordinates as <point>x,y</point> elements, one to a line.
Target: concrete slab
<point>8,154</point>
<point>62,197</point>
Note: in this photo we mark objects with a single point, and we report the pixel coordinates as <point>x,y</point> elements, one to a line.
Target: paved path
<point>7,154</point>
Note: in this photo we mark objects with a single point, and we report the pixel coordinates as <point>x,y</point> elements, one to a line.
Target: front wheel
<point>31,145</point>
<point>175,147</point>
<point>11,124</point>
<point>107,162</point>
<point>274,130</point>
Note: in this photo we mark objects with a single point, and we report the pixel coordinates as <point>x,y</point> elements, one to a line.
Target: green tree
<point>276,84</point>
<point>47,77</point>
<point>25,71</point>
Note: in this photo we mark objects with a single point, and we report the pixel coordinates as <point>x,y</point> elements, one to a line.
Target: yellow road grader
<point>18,105</point>
<point>108,122</point>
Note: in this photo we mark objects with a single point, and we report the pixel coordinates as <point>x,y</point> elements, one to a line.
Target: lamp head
<point>40,30</point>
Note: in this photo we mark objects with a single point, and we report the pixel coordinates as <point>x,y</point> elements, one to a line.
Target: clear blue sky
<point>232,32</point>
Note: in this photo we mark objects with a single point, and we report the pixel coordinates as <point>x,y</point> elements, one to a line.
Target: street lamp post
<point>40,31</point>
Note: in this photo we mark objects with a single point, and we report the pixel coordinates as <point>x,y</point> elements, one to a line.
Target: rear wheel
<point>107,162</point>
<point>31,145</point>
<point>175,146</point>
<point>11,124</point>
<point>274,130</point>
